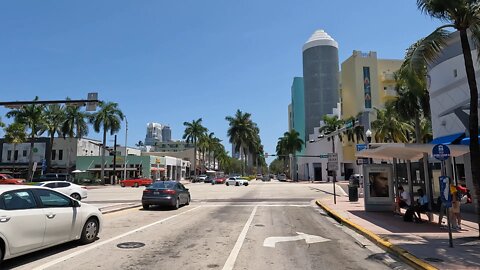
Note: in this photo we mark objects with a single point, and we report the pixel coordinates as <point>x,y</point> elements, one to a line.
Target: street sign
<point>323,156</point>
<point>441,152</point>
<point>349,124</point>
<point>332,166</point>
<point>445,194</point>
<point>361,146</point>
<point>332,157</point>
<point>361,161</point>
<point>92,106</point>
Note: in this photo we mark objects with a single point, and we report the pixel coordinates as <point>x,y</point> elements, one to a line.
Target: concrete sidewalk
<point>422,245</point>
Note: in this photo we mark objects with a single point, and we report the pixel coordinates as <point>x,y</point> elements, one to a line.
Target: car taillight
<point>169,191</point>
<point>147,191</point>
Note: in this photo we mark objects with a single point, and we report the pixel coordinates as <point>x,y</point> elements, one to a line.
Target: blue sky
<point>176,61</point>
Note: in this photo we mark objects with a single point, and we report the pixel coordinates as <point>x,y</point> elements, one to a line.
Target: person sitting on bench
<point>403,201</point>
<point>422,205</point>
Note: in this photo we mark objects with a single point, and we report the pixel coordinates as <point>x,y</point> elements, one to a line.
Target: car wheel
<point>237,184</point>
<point>136,184</point>
<point>90,231</point>
<point>188,201</point>
<point>177,203</point>
<point>246,183</point>
<point>122,184</point>
<point>76,196</point>
<point>146,206</point>
<point>227,184</point>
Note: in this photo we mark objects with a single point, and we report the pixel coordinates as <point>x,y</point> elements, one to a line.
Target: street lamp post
<point>126,151</point>
<point>368,133</point>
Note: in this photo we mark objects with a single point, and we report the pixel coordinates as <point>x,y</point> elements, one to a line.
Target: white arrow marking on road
<point>309,239</point>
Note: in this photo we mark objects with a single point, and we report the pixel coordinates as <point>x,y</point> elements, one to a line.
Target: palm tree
<point>15,133</point>
<point>54,118</point>
<point>108,118</point>
<point>463,16</point>
<point>32,117</point>
<point>74,126</point>
<point>203,145</point>
<point>1,123</point>
<point>241,131</point>
<point>388,127</point>
<point>193,131</point>
<point>330,125</point>
<point>292,143</point>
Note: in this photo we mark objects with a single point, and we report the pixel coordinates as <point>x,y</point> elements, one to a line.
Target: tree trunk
<point>102,172</point>
<point>417,129</point>
<point>49,152</point>
<point>14,161</point>
<point>473,118</point>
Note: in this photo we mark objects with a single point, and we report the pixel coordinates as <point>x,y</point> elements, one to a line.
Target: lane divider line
<point>238,245</point>
<point>95,245</point>
<point>383,243</point>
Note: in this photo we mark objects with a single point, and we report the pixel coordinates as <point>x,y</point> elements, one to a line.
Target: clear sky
<point>176,61</point>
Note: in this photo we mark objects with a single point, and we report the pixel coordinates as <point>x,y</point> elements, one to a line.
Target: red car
<point>136,182</point>
<point>219,180</point>
<point>6,179</point>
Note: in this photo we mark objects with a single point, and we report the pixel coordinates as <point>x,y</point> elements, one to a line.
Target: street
<point>269,225</point>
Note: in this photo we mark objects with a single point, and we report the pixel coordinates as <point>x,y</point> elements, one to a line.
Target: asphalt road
<point>262,226</point>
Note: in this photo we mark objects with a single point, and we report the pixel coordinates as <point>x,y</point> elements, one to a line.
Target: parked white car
<point>236,181</point>
<point>34,218</point>
<point>73,190</point>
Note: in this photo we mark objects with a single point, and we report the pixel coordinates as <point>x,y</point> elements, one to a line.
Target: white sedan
<point>75,191</point>
<point>34,218</point>
<point>236,181</point>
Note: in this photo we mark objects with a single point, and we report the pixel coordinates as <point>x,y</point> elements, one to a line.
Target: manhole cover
<point>433,260</point>
<point>130,245</point>
<point>259,225</point>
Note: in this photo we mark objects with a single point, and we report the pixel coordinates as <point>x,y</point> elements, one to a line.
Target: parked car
<point>202,178</point>
<point>266,178</point>
<point>54,177</point>
<point>165,193</point>
<point>208,179</point>
<point>282,177</point>
<point>136,182</point>
<point>236,181</point>
<point>259,176</point>
<point>75,191</point>
<point>6,179</point>
<point>34,218</point>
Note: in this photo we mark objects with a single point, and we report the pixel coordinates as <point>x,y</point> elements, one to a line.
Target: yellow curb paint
<point>402,253</point>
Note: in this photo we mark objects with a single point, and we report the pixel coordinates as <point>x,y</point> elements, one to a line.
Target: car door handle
<point>50,216</point>
<point>4,219</point>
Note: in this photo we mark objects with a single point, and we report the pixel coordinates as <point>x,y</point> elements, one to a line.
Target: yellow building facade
<point>366,83</point>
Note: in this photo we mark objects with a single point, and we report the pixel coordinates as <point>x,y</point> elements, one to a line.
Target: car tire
<point>177,204</point>
<point>136,184</point>
<point>237,184</point>
<point>122,184</point>
<point>76,196</point>
<point>246,184</point>
<point>146,206</point>
<point>227,184</point>
<point>89,231</point>
<point>188,201</point>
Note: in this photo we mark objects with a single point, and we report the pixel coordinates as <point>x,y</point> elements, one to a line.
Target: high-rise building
<point>320,76</point>
<point>297,109</point>
<point>166,134</point>
<point>154,134</point>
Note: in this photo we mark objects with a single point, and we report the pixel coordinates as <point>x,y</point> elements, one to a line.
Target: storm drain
<point>130,245</point>
<point>433,259</point>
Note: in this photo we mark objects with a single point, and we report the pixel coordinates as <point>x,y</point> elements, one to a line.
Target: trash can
<point>353,193</point>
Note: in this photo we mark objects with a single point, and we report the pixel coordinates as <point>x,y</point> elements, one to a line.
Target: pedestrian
<point>422,205</point>
<point>402,201</point>
<point>455,216</point>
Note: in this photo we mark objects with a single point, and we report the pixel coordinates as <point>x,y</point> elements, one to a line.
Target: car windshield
<point>8,176</point>
<point>163,184</point>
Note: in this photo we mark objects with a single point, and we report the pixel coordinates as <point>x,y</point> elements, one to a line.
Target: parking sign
<point>445,194</point>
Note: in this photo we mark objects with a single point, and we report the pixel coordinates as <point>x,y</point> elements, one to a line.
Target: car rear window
<point>162,184</point>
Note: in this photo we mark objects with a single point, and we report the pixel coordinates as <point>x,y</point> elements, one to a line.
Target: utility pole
<point>126,151</point>
<point>114,180</point>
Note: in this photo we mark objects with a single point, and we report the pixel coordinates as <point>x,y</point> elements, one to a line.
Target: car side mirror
<point>76,203</point>
<point>186,189</point>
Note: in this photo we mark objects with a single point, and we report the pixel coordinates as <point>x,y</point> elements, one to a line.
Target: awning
<point>449,139</point>
<point>466,141</point>
<point>389,151</point>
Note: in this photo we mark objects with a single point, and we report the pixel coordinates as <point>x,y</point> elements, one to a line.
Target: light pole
<point>126,151</point>
<point>368,133</point>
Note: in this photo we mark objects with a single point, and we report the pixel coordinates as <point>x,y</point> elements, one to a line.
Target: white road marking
<point>250,205</point>
<point>309,239</point>
<point>95,245</point>
<point>238,245</point>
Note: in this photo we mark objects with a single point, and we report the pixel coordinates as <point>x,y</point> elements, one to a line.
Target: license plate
<point>156,193</point>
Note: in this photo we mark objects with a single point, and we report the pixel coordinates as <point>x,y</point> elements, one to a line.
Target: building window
<point>60,154</point>
<point>24,153</point>
<point>54,154</point>
<point>15,155</point>
<point>9,155</point>
<point>455,73</point>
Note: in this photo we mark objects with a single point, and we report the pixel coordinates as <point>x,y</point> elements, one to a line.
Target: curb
<point>383,243</point>
<point>120,209</point>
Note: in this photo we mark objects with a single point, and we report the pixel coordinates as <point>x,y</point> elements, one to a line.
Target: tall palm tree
<point>15,133</point>
<point>288,145</point>
<point>388,127</point>
<point>463,16</point>
<point>108,118</point>
<point>1,123</point>
<point>32,117</point>
<point>54,118</point>
<point>193,131</point>
<point>74,126</point>
<point>241,131</point>
<point>330,125</point>
<point>203,145</point>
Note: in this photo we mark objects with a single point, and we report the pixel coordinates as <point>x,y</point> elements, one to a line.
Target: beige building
<point>366,83</point>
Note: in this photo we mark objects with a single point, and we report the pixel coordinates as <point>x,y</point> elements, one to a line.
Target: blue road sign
<point>445,194</point>
<point>441,152</point>
<point>361,147</point>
